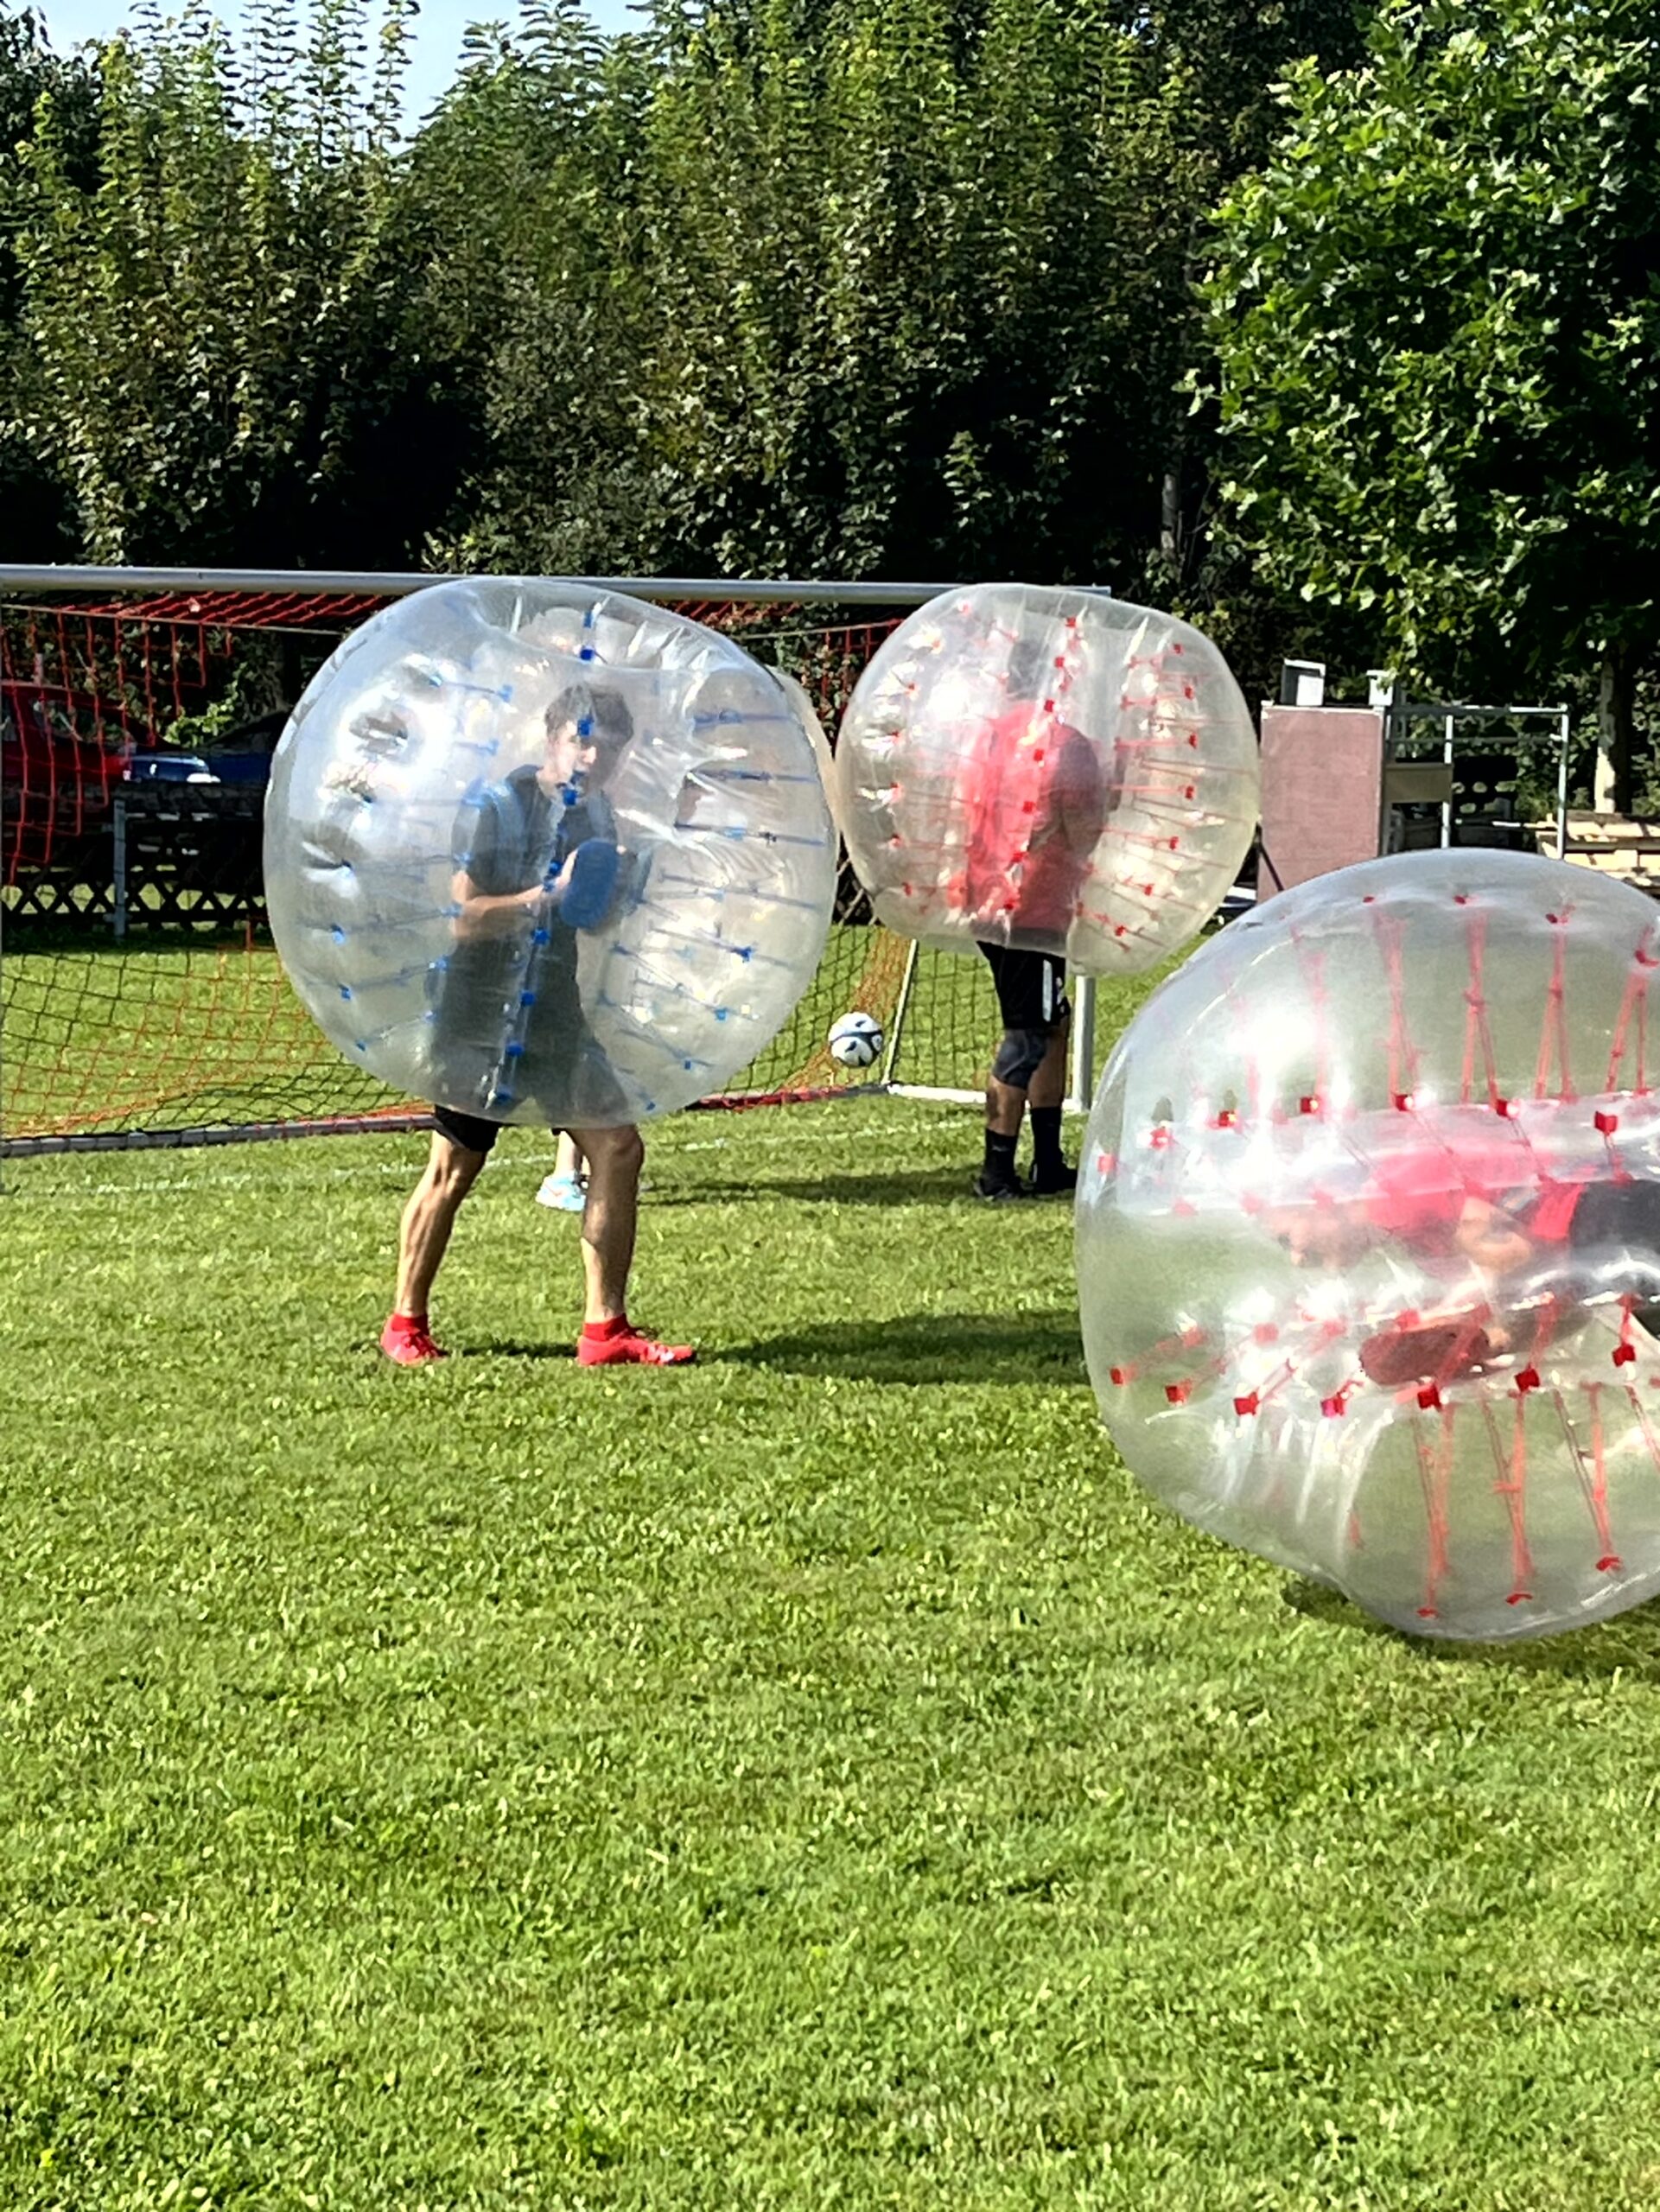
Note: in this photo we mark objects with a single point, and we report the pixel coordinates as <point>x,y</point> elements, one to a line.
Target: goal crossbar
<point>29,581</point>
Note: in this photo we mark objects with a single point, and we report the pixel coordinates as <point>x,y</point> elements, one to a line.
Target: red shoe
<point>627,1348</point>
<point>409,1343</point>
<point>1439,1353</point>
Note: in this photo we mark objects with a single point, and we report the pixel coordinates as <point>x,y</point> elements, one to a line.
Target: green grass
<point>814,1779</point>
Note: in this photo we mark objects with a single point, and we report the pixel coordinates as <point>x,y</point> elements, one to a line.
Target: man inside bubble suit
<point>1503,1261</point>
<point>1037,803</point>
<point>540,845</point>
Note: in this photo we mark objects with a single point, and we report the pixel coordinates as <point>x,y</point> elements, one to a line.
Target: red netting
<point>140,994</point>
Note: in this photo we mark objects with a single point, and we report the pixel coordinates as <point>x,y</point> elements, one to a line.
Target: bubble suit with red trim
<point>1369,1241</point>
<point>642,912</point>
<point>1050,769</point>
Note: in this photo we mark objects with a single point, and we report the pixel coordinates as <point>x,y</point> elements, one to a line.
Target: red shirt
<point>1035,809</point>
<point>1419,1196</point>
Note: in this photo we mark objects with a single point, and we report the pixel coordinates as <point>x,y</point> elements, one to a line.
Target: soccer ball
<point>855,1039</point>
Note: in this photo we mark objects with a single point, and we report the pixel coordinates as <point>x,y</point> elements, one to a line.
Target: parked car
<point>56,776</point>
<point>244,754</point>
<point>168,768</point>
<point>53,737</point>
<point>242,757</point>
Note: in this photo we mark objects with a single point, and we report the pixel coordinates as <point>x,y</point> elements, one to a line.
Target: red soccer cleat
<point>409,1343</point>
<point>1440,1353</point>
<point>626,1347</point>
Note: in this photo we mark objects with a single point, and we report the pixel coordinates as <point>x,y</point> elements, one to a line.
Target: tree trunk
<point>1615,704</point>
<point>1170,533</point>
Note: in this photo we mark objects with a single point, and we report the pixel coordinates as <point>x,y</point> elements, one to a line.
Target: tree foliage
<point>34,517</point>
<point>823,286</point>
<point>226,364</point>
<point>789,286</point>
<point>1438,340</point>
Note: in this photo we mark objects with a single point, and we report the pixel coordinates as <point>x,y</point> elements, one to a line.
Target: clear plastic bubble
<point>1050,769</point>
<point>547,853</point>
<point>1369,1241</point>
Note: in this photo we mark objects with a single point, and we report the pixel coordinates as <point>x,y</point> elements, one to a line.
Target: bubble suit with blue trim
<point>1049,769</point>
<point>1369,1241</point>
<point>546,854</point>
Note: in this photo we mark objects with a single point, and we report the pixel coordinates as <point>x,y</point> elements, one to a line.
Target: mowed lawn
<point>814,1779</point>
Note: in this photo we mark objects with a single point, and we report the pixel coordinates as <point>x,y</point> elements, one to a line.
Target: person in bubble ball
<point>1465,1217</point>
<point>543,844</point>
<point>1037,806</point>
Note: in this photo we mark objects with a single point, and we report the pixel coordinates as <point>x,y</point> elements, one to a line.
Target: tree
<point>227,369</point>
<point>1438,344</point>
<point>892,286</point>
<point>521,207</point>
<point>1224,60</point>
<point>34,522</point>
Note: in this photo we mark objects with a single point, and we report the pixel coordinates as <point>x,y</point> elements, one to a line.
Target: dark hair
<point>599,713</point>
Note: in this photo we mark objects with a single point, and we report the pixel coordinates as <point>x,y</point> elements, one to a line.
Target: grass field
<point>813,1779</point>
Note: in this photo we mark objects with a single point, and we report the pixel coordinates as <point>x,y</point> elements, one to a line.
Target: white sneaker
<point>564,1194</point>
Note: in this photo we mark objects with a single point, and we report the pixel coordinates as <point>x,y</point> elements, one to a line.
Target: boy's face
<point>576,757</point>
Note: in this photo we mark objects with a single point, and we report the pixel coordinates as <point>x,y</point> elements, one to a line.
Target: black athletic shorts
<point>1031,987</point>
<point>595,1100</point>
<point>1625,1214</point>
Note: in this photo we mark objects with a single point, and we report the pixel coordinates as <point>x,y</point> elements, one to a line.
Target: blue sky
<point>436,46</point>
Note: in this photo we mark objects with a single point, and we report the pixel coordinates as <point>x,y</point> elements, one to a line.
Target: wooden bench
<point>1624,845</point>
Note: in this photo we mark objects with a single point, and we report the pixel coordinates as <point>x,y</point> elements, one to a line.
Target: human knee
<point>618,1151</point>
<point>1020,1056</point>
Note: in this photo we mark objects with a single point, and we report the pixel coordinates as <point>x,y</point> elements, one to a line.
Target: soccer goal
<point>142,1002</point>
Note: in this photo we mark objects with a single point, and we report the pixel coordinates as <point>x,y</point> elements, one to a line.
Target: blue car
<point>168,768</point>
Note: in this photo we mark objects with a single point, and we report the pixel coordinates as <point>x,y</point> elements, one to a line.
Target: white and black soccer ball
<point>855,1041</point>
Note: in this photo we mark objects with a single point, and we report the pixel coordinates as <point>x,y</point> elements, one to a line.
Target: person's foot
<point>998,1187</point>
<point>409,1343</point>
<point>1441,1352</point>
<point>1057,1182</point>
<point>626,1347</point>
<point>564,1194</point>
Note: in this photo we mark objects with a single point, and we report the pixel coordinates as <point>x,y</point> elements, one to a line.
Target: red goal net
<point>140,998</point>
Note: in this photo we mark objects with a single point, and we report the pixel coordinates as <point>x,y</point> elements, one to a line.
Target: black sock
<point>1045,1137</point>
<point>999,1157</point>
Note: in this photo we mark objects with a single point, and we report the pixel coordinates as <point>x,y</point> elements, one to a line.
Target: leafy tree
<point>1438,339</point>
<point>227,369</point>
<point>1229,58</point>
<point>522,195</point>
<point>1224,62</point>
<point>791,286</point>
<point>34,523</point>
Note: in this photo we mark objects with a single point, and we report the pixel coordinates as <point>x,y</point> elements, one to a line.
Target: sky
<point>436,46</point>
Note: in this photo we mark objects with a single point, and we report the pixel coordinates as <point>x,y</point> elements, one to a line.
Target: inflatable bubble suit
<point>1369,1241</point>
<point>544,852</point>
<point>1047,768</point>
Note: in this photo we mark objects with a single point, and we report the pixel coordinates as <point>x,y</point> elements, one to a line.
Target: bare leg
<point>1005,1108</point>
<point>424,1236</point>
<point>1049,1083</point>
<point>1006,1105</point>
<point>614,1159</point>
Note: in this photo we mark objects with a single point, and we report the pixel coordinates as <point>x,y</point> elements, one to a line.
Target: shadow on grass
<point>1628,1645</point>
<point>930,1348</point>
<point>879,1186</point>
